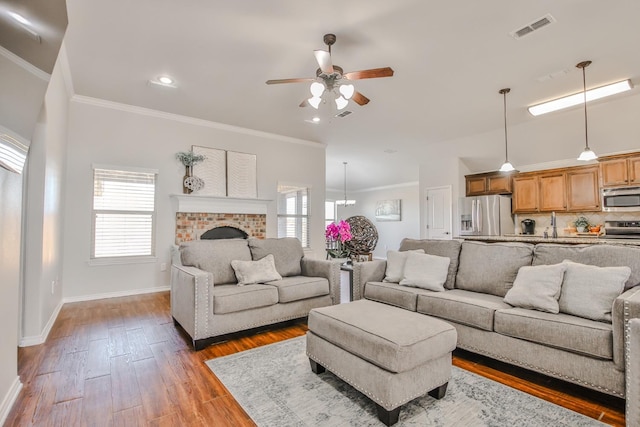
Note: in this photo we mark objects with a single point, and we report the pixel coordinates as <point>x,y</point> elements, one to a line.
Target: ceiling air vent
<point>343,114</point>
<point>530,28</point>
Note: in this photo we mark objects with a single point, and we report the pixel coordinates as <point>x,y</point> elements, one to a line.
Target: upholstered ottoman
<point>390,354</point>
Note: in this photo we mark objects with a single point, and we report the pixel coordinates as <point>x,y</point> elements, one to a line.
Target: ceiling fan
<point>331,79</point>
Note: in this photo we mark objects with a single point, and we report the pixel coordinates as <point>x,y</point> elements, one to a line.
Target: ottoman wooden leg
<point>439,392</point>
<point>316,367</point>
<point>389,418</point>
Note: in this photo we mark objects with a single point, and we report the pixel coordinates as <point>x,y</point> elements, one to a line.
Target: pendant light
<point>345,202</point>
<point>587,154</point>
<point>506,166</point>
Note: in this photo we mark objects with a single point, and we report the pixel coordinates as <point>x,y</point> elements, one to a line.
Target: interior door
<point>438,209</point>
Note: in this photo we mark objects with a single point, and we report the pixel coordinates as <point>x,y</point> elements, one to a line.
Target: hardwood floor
<point>121,362</point>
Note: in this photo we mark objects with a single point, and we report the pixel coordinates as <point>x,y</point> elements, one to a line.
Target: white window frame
<point>298,215</point>
<point>123,259</point>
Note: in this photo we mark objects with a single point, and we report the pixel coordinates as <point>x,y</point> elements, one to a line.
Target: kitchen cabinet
<point>621,170</point>
<point>572,189</point>
<point>525,193</point>
<point>553,192</point>
<point>582,189</point>
<point>488,183</point>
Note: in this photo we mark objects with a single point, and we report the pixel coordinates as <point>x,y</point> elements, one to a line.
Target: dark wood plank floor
<point>121,362</point>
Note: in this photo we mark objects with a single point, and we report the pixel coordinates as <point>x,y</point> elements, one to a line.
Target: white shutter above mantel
<point>208,204</point>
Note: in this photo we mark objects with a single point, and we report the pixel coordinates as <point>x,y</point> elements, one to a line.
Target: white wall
<point>10,223</point>
<point>112,134</point>
<point>44,222</point>
<point>390,233</point>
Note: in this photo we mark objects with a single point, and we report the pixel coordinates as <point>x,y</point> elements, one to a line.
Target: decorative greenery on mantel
<point>189,158</point>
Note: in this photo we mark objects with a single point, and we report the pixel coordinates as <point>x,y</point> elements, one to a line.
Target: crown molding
<point>81,99</point>
<point>27,66</point>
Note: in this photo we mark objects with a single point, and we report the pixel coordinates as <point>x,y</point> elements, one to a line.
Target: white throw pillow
<point>425,271</point>
<point>263,270</point>
<point>395,264</point>
<point>588,291</point>
<point>537,287</point>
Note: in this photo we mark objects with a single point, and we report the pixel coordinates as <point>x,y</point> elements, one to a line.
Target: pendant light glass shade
<point>506,166</point>
<point>587,154</point>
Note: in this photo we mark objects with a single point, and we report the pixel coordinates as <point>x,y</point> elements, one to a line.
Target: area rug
<point>275,386</point>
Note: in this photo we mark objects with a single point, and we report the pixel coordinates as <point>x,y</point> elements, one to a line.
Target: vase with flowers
<point>337,235</point>
<point>188,159</point>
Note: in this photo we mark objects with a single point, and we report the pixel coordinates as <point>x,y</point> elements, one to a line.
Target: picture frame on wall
<point>242,176</point>
<point>388,210</point>
<point>212,170</point>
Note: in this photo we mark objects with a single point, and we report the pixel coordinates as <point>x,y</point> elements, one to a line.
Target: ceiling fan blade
<point>304,103</point>
<point>359,98</point>
<point>324,61</point>
<point>278,81</point>
<point>369,74</point>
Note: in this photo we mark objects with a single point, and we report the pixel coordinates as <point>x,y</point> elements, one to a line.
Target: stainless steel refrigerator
<point>485,216</point>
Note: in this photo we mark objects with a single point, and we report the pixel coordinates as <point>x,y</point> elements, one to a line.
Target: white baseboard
<point>9,400</point>
<point>115,294</point>
<point>40,339</point>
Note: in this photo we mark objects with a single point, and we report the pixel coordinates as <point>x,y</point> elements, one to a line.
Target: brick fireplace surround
<point>197,214</point>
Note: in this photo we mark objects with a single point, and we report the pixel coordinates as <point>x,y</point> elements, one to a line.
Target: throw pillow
<point>588,291</point>
<point>425,271</point>
<point>248,272</point>
<point>395,265</point>
<point>537,288</point>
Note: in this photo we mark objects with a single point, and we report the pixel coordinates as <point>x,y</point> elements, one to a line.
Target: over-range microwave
<point>621,199</point>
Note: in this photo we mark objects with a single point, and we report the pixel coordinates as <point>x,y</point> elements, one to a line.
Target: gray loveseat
<point>208,303</point>
<point>563,345</point>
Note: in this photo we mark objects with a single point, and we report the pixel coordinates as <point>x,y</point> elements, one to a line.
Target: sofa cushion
<point>232,298</point>
<point>261,271</point>
<point>469,308</point>
<point>491,268</point>
<point>448,248</point>
<point>425,271</point>
<point>601,255</point>
<point>295,288</point>
<point>215,256</point>
<point>396,261</point>
<point>393,294</point>
<point>588,291</point>
<point>563,331</point>
<point>537,287</point>
<point>286,251</point>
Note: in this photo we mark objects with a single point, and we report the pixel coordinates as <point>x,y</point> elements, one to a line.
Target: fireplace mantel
<point>196,203</point>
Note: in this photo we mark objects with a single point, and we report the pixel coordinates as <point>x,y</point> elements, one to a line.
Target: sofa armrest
<point>625,308</point>
<point>632,375</point>
<point>327,269</point>
<point>369,271</point>
<point>192,299</point>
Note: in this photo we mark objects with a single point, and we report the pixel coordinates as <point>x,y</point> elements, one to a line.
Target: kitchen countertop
<point>561,239</point>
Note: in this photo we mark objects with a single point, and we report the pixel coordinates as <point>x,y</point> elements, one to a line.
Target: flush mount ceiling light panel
<point>332,86</point>
<point>578,98</point>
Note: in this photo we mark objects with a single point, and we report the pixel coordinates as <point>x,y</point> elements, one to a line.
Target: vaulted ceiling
<point>450,59</point>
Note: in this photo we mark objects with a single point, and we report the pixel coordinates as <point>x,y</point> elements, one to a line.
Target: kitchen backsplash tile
<point>565,220</point>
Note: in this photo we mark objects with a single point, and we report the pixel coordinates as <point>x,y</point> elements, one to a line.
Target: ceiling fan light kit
<point>331,82</point>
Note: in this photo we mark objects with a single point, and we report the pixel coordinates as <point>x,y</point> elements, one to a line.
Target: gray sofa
<point>208,303</point>
<point>564,345</point>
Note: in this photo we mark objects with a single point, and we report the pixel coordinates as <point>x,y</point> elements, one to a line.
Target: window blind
<point>123,213</point>
<point>293,213</point>
<point>13,154</point>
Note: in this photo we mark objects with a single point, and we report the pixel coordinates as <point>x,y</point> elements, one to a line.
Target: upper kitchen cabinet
<point>488,183</point>
<point>622,170</point>
<point>553,193</point>
<point>525,193</point>
<point>582,189</point>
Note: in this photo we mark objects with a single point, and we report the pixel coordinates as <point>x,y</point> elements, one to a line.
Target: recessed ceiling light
<point>315,119</point>
<point>21,19</point>
<point>165,80</point>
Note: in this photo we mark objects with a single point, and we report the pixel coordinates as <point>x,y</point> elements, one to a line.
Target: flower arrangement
<point>581,223</point>
<point>189,158</point>
<point>336,235</point>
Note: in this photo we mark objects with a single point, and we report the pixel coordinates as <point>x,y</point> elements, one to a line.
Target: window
<point>123,213</point>
<point>13,153</point>
<point>293,213</point>
<point>329,212</point>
